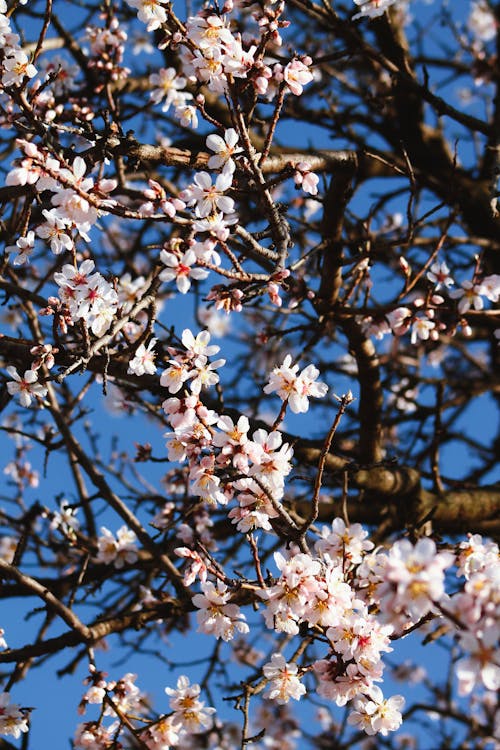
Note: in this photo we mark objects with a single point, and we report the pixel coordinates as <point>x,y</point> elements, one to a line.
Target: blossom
<point>347,543</point>
<point>297,74</point>
<point>306,179</point>
<point>216,615</point>
<point>197,568</point>
<point>376,715</point>
<point>93,736</point>
<point>55,231</point>
<point>26,386</point>
<point>166,84</point>
<point>490,287</point>
<point>180,269</point>
<point>414,578</point>
<point>372,8</point>
<point>13,719</point>
<point>205,375</point>
<point>189,713</point>
<point>482,661</point>
<point>294,388</point>
<point>174,376</point>
<point>284,682</point>
<point>481,21</point>
<point>469,295</point>
<point>23,247</point>
<point>224,148</point>
<point>17,67</point>
<point>143,360</point>
<point>439,274</point>
<point>208,197</point>
<point>117,551</point>
<point>150,12</point>
<point>198,346</point>
<point>65,519</point>
<point>422,328</point>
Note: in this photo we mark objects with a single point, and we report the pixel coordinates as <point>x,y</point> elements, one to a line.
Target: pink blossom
<point>297,75</point>
<point>284,682</point>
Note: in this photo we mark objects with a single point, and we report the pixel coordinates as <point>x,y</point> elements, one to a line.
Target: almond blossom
<point>224,148</point>
<point>143,361</point>
<point>439,275</point>
<point>469,295</point>
<point>284,682</point>
<point>190,714</point>
<point>167,85</point>
<point>55,231</point>
<point>16,67</point>
<point>23,247</point>
<point>208,197</point>
<point>119,550</point>
<point>13,719</point>
<point>481,664</point>
<point>150,12</point>
<point>293,388</point>
<point>217,615</point>
<point>26,386</point>
<point>376,715</point>
<point>414,578</point>
<point>345,543</point>
<point>181,268</point>
<point>297,75</point>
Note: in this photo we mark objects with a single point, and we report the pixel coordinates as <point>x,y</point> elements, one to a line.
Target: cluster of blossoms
<point>15,66</point>
<point>295,389</point>
<point>107,47</point>
<point>76,199</point>
<point>423,319</point>
<point>120,550</point>
<point>477,608</point>
<point>214,443</point>
<point>210,53</point>
<point>86,296</point>
<point>335,591</point>
<point>216,615</point>
<point>189,716</point>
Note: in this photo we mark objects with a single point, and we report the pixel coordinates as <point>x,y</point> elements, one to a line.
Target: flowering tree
<point>314,186</point>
